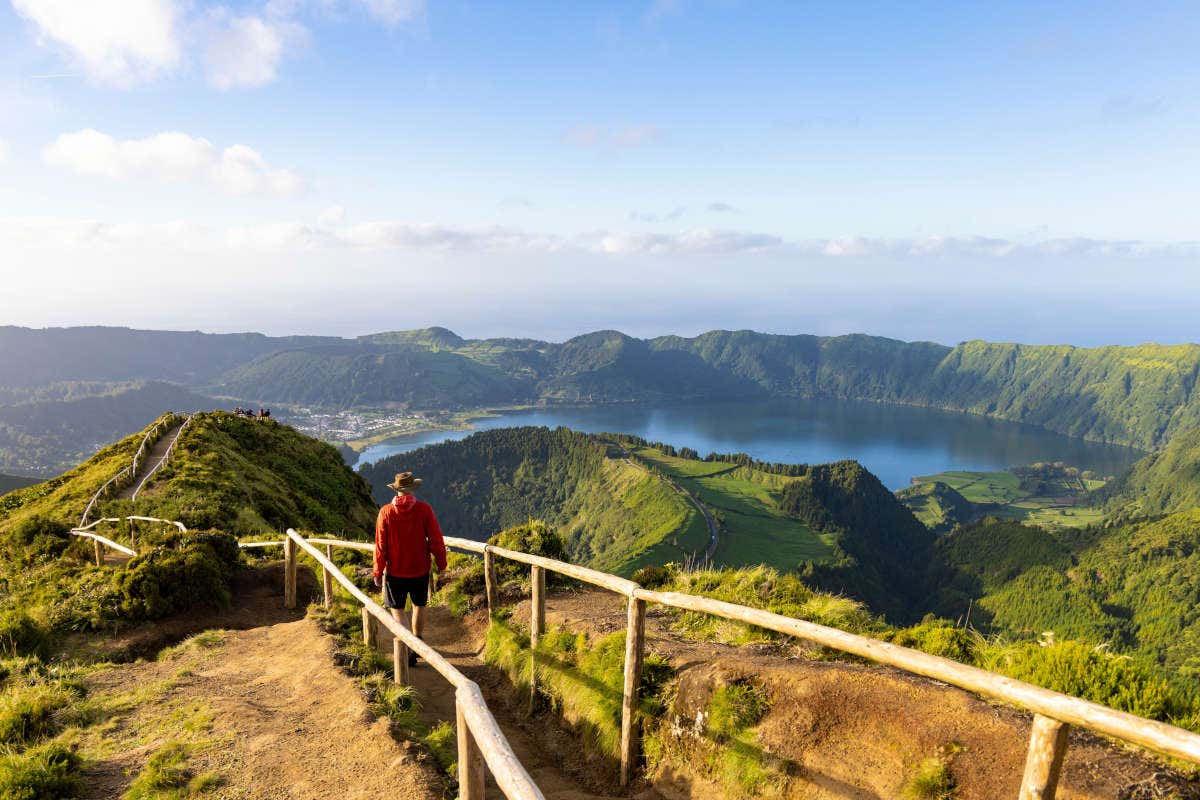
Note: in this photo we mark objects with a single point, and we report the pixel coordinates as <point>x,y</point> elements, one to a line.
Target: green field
<point>1000,495</point>
<point>746,503</point>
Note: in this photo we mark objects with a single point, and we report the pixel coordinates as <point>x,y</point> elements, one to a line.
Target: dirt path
<point>155,457</point>
<point>553,758</point>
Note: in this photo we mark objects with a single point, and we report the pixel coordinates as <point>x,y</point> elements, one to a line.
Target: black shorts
<point>397,590</point>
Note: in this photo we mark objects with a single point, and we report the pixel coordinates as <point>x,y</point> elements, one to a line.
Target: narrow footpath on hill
<point>153,459</point>
<point>264,710</point>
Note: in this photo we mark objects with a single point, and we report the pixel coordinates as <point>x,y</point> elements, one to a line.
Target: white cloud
<point>651,216</point>
<point>114,41</point>
<point>171,157</point>
<point>394,12</point>
<point>246,51</point>
<point>624,137</point>
<point>700,241</point>
<point>721,208</point>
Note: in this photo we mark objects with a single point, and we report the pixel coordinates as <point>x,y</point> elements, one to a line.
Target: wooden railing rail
<point>480,740</point>
<point>1053,712</point>
<point>99,542</point>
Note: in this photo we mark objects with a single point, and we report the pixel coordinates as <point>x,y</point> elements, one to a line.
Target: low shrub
<point>28,711</point>
<point>38,539</point>
<point>165,581</point>
<point>938,637</point>
<point>20,634</point>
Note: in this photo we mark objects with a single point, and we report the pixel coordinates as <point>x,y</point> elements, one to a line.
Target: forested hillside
<point>1140,396</point>
<point>1162,482</point>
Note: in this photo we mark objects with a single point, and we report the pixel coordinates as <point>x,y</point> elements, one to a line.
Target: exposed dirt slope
<point>856,731</point>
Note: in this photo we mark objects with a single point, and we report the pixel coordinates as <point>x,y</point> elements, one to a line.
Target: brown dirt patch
<point>266,711</point>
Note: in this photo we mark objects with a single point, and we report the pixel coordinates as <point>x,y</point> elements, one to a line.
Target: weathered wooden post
<point>489,581</point>
<point>1043,765</point>
<point>470,759</point>
<point>98,552</point>
<point>132,534</point>
<point>537,625</point>
<point>635,635</point>
<point>368,627</point>
<point>399,661</point>
<point>289,573</point>
<point>327,579</point>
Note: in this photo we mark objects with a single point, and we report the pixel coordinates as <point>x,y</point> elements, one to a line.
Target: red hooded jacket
<point>406,535</point>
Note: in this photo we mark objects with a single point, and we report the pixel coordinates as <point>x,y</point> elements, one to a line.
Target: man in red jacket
<point>406,535</point>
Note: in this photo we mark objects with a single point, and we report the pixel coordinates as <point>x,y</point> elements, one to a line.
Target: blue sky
<point>921,170</point>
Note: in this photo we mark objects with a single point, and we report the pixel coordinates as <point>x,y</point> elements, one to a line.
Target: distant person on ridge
<point>406,535</point>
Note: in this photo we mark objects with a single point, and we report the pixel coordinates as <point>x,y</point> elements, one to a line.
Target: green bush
<point>50,772</point>
<point>38,539</point>
<point>165,581</point>
<point>534,537</point>
<point>655,576</point>
<point>1095,674</point>
<point>937,637</point>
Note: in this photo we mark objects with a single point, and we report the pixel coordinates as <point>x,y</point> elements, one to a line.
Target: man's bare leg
<point>418,620</point>
<point>398,615</point>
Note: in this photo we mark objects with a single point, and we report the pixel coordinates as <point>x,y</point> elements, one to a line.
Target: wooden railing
<point>480,740</point>
<point>130,472</point>
<point>100,542</point>
<point>1053,712</point>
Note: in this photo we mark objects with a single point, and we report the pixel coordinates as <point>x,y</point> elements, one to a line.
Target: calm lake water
<point>894,442</point>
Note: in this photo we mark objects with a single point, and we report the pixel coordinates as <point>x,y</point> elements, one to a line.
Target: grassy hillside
<point>612,515</point>
<point>1054,495</point>
<point>1162,482</point>
<point>622,503</point>
<point>746,505</point>
<point>937,504</point>
<point>45,436</point>
<point>246,477</point>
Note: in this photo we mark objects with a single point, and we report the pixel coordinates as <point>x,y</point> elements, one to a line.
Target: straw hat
<point>405,482</point>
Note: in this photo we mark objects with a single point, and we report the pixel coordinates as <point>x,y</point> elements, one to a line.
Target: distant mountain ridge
<point>1141,395</point>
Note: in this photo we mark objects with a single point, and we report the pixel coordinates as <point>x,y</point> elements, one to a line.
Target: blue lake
<point>894,442</point>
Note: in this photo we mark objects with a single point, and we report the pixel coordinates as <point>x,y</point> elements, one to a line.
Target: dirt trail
<point>267,710</point>
<point>553,758</point>
<point>155,457</point>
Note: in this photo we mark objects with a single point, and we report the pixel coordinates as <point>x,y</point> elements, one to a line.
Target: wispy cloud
<point>721,208</point>
<point>172,157</point>
<point>628,136</point>
<point>647,216</point>
<point>1125,108</point>
<point>246,51</point>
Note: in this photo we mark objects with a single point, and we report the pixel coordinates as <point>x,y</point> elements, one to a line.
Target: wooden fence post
<point>399,661</point>
<point>132,534</point>
<point>470,759</point>
<point>489,581</point>
<point>1043,765</point>
<point>289,573</point>
<point>327,579</point>
<point>368,626</point>
<point>98,552</point>
<point>537,625</point>
<point>635,635</point>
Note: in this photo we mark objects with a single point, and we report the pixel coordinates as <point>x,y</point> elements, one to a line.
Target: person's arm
<point>380,562</point>
<point>437,545</point>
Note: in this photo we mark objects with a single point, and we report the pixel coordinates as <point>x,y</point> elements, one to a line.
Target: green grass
<point>166,777</point>
<point>746,503</point>
<point>930,780</point>
<point>980,487</point>
<point>47,772</point>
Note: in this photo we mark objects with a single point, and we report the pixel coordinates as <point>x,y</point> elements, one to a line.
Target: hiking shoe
<point>412,658</point>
